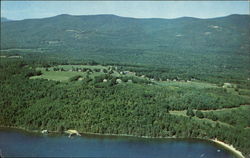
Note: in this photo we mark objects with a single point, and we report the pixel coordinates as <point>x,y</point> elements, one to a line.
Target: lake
<point>18,143</point>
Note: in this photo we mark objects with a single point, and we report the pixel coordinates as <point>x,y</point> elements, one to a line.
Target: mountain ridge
<point>138,18</point>
<point>112,22</point>
<point>110,37</point>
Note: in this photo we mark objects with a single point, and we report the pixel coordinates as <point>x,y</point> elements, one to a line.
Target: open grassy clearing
<point>62,76</point>
<point>179,113</point>
<point>183,113</point>
<point>190,84</point>
<point>241,115</point>
<point>20,50</point>
<point>224,115</point>
<point>225,109</point>
<point>57,76</point>
<point>65,72</point>
<point>69,67</point>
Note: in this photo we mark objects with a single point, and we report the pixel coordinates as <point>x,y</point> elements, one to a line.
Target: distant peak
<point>107,15</point>
<point>186,18</point>
<point>100,15</point>
<point>64,15</point>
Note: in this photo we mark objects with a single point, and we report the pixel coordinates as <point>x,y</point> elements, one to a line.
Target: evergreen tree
<point>190,112</point>
<point>199,114</point>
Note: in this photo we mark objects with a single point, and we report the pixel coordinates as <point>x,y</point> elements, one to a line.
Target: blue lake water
<point>18,143</point>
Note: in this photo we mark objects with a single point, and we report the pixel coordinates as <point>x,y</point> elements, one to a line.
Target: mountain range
<point>113,38</point>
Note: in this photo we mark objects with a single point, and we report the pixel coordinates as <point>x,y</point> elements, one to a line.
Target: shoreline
<point>229,147</point>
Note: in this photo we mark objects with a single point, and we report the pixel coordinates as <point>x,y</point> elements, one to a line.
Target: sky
<point>18,10</point>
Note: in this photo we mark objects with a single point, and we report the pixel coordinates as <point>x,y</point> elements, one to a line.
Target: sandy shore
<point>230,147</point>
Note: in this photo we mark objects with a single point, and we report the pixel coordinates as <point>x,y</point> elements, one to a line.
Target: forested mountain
<point>106,33</point>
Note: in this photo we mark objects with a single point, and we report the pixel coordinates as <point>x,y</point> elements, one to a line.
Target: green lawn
<point>179,113</point>
<point>224,115</point>
<point>69,67</point>
<point>191,84</point>
<point>14,50</point>
<point>67,74</point>
<point>240,115</point>
<point>223,109</point>
<point>183,113</point>
<point>57,75</point>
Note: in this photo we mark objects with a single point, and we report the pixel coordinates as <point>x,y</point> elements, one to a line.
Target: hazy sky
<point>17,10</point>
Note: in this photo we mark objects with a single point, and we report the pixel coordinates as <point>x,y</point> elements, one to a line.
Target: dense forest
<point>139,108</point>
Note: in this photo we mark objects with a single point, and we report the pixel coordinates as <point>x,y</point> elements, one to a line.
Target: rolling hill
<point>229,33</point>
